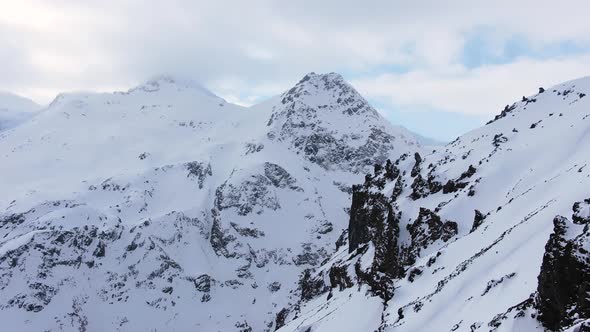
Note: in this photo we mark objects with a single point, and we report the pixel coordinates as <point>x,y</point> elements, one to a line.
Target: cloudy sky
<point>438,67</point>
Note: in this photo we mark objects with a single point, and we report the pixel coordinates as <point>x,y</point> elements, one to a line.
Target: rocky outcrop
<point>373,219</point>
<point>417,162</point>
<point>424,187</point>
<point>563,293</point>
<point>339,277</point>
<point>478,219</point>
<point>504,113</point>
<point>311,285</point>
<point>424,231</point>
<point>279,177</point>
<point>581,214</point>
<point>199,171</point>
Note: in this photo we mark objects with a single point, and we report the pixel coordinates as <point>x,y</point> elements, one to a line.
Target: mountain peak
<point>326,78</point>
<point>327,120</point>
<point>327,92</point>
<point>171,82</point>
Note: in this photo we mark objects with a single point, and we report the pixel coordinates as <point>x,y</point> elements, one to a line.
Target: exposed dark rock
<point>310,255</point>
<point>468,173</point>
<point>422,188</point>
<point>243,326</point>
<point>219,238</point>
<point>414,272</point>
<point>504,113</point>
<point>203,283</point>
<point>279,177</point>
<point>452,186</point>
<point>478,219</point>
<point>380,284</point>
<point>100,249</point>
<point>499,139</point>
<point>397,189</point>
<point>425,230</point>
<point>342,239</point>
<point>274,286</point>
<point>564,286</point>
<point>391,171</point>
<point>581,212</point>
<point>339,277</point>
<point>433,185</point>
<point>198,170</point>
<point>372,218</point>
<point>13,219</point>
<point>251,195</point>
<point>281,318</point>
<point>311,286</point>
<point>417,163</point>
<point>419,188</point>
<point>493,283</point>
<point>516,311</point>
<point>253,148</point>
<point>247,231</point>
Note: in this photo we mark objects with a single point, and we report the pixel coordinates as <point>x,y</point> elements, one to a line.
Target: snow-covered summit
<point>327,120</point>
<point>171,83</point>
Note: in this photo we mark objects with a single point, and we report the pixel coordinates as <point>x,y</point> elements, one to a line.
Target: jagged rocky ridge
<point>462,238</point>
<point>205,223</point>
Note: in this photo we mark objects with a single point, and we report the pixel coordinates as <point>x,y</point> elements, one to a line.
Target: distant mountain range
<point>15,110</point>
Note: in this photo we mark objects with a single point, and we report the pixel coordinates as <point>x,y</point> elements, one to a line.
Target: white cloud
<point>249,49</point>
<point>479,91</point>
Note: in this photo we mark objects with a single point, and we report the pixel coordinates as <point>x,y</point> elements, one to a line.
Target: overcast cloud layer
<point>416,61</point>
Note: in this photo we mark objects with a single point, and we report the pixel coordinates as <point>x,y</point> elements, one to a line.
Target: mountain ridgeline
<point>307,212</point>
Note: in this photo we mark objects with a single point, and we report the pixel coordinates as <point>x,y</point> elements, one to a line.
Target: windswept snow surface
<point>168,208</point>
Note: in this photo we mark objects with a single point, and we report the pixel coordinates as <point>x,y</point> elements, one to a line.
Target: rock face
<point>564,280</point>
<point>425,231</point>
<point>373,219</point>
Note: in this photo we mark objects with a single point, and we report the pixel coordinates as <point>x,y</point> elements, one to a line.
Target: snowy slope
<point>458,239</point>
<point>15,110</point>
<point>167,208</point>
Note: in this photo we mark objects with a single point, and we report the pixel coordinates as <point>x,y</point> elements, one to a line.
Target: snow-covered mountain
<point>488,233</point>
<point>15,110</point>
<point>168,208</point>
